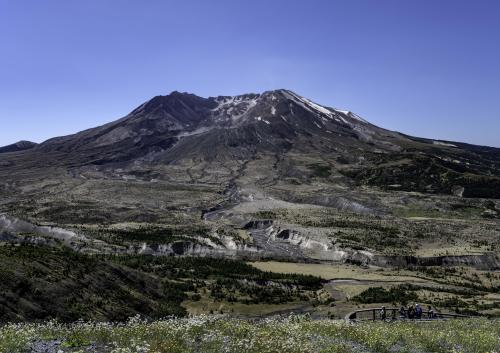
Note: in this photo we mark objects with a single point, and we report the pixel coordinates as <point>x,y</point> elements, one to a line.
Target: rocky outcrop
<point>197,247</point>
<point>294,244</point>
<point>12,225</point>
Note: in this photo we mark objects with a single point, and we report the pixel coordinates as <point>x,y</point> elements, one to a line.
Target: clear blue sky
<point>429,68</point>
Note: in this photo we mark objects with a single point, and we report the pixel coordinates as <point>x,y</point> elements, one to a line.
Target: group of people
<point>412,312</point>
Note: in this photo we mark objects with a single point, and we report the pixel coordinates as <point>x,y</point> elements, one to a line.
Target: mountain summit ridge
<point>183,130</point>
<point>163,120</point>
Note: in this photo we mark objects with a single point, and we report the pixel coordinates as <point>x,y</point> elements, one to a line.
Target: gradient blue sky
<point>429,68</point>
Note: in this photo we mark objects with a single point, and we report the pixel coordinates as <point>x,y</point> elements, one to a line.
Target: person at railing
<point>383,314</point>
<point>402,313</point>
<point>418,311</point>
<point>411,312</point>
<point>430,313</point>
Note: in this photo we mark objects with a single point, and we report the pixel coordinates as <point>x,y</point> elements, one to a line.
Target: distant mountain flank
<point>18,146</point>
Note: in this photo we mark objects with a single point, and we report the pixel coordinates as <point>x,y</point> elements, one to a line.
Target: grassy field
<point>332,271</point>
<point>221,334</point>
<point>207,305</point>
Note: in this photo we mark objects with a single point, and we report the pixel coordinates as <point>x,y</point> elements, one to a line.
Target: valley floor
<point>347,288</point>
<point>222,334</point>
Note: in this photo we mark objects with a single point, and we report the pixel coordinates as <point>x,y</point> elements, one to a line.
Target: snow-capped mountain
<point>224,133</point>
<point>273,121</point>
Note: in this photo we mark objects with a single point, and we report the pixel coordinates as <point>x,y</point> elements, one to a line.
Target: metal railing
<point>374,314</point>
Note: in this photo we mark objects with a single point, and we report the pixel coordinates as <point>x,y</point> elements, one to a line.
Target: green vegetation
<point>445,226</point>
<point>398,295</point>
<point>229,280</point>
<point>455,211</point>
<point>348,231</point>
<point>289,335</point>
<point>150,233</point>
<point>475,291</point>
<point>38,283</point>
<point>265,215</point>
<point>428,174</point>
<point>211,268</point>
<point>320,171</point>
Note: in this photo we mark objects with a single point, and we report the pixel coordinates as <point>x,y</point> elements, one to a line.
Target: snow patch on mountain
<point>233,108</point>
<point>332,114</point>
<point>318,108</point>
<point>351,115</point>
<point>307,104</point>
<point>440,143</point>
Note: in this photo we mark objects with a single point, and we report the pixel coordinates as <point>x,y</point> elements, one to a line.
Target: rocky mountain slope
<point>272,174</point>
<point>182,129</point>
<point>18,146</point>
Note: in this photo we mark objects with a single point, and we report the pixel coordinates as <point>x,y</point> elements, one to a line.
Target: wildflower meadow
<point>291,334</point>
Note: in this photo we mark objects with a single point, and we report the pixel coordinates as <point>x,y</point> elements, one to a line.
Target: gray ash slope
<point>226,132</point>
